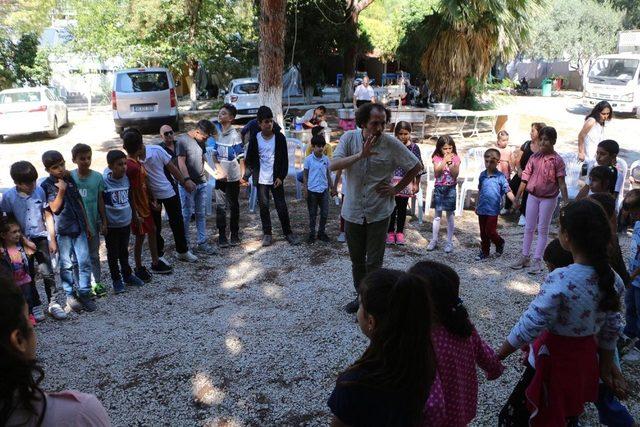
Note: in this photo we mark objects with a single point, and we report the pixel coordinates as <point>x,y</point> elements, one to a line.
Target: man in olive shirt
<point>369,157</point>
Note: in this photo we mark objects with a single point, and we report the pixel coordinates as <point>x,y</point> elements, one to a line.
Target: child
<point>631,206</point>
<point>228,156</point>
<point>446,167</point>
<point>118,214</point>
<point>543,178</point>
<point>634,177</point>
<point>71,231</point>
<point>458,348</point>
<point>506,153</point>
<point>142,221</point>
<point>268,160</point>
<point>390,382</point>
<point>607,156</point>
<point>575,303</point>
<point>15,255</point>
<point>398,217</point>
<point>492,187</point>
<point>316,184</point>
<point>90,186</point>
<point>26,203</point>
<point>600,178</point>
<point>555,256</point>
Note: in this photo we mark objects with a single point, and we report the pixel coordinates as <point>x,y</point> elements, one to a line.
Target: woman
<point>593,131</point>
<point>22,402</point>
<point>520,159</point>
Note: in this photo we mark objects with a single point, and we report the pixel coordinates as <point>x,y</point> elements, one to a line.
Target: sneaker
<point>352,307</point>
<point>99,289</point>
<point>134,280</point>
<point>56,311</point>
<point>522,221</point>
<point>38,313</point>
<point>481,256</point>
<point>400,239</point>
<point>222,241</point>
<point>292,239</point>
<point>161,268</point>
<point>523,262</point>
<point>633,356</point>
<point>433,244</point>
<point>118,285</point>
<point>311,238</point>
<point>143,274</point>
<point>324,238</point>
<point>206,249</point>
<point>87,303</point>
<point>163,259</point>
<point>500,248</point>
<point>32,320</point>
<point>536,267</point>
<point>448,247</point>
<point>391,238</point>
<point>73,304</point>
<point>234,240</point>
<point>267,240</point>
<point>342,237</point>
<point>187,257</point>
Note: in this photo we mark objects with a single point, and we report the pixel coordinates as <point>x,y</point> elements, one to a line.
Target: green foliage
<point>631,9</point>
<point>23,62</point>
<point>27,16</point>
<point>575,30</point>
<point>415,34</point>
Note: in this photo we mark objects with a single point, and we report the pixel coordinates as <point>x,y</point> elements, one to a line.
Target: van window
<point>247,88</point>
<point>142,81</point>
<point>13,97</point>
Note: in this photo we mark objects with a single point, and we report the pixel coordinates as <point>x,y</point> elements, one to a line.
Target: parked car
<point>144,98</point>
<point>30,110</point>
<point>243,94</point>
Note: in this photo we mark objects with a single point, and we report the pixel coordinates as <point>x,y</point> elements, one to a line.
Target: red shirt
<point>137,175</point>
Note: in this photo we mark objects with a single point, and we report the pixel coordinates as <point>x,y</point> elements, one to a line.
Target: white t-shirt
<point>591,141</point>
<point>267,150</point>
<point>364,93</point>
<point>156,159</point>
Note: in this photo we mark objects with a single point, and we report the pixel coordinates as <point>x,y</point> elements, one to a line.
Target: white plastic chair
<point>630,171</point>
<point>425,187</point>
<point>573,170</point>
<point>570,157</point>
<point>470,167</point>
<point>295,147</point>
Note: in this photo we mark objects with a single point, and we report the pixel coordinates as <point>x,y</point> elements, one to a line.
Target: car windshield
<point>17,97</point>
<point>247,88</point>
<point>142,81</point>
<point>613,70</point>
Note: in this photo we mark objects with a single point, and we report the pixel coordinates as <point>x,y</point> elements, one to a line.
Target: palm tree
<point>467,36</point>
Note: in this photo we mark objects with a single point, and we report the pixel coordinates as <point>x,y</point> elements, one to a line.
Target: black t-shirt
<point>526,153</point>
<point>357,405</point>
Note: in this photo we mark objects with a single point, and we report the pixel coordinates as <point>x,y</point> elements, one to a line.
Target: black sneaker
<point>74,304</point>
<point>311,238</point>
<point>267,240</point>
<point>292,239</point>
<point>143,274</point>
<point>235,240</point>
<point>481,256</point>
<point>500,248</point>
<point>323,237</point>
<point>87,303</point>
<point>160,268</point>
<point>352,307</point>
<point>222,241</point>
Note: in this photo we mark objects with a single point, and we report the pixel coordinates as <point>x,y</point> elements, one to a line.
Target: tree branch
<point>361,5</point>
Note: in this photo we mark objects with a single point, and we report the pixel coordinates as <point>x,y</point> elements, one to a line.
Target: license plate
<point>143,108</point>
<point>252,112</point>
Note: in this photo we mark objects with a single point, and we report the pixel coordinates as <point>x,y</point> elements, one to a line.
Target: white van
<point>144,98</point>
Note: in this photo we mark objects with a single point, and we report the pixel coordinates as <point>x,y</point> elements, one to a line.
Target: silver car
<point>243,94</point>
<point>144,98</point>
<point>30,110</point>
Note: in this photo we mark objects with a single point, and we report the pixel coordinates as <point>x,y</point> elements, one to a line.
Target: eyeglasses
<point>169,133</point>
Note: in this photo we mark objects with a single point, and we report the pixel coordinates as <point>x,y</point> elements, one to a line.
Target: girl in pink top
<point>22,402</point>
<point>458,348</point>
<point>543,178</point>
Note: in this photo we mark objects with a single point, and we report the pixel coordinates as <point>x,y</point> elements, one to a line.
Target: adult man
<point>314,117</point>
<point>369,158</point>
<point>158,162</point>
<point>190,149</point>
<point>363,94</point>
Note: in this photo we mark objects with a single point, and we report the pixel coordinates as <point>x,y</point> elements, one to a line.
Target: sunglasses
<point>169,133</point>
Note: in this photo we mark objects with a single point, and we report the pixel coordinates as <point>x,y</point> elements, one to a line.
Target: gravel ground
<point>257,336</point>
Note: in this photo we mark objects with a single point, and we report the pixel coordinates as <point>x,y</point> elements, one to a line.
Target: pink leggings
<point>539,212</point>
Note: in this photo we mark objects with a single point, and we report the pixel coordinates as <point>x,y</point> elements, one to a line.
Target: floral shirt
<point>567,305</point>
<point>445,179</point>
<point>399,173</point>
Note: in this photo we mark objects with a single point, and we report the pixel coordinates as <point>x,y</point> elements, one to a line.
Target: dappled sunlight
<point>233,344</point>
<point>236,320</point>
<point>241,273</point>
<point>523,286</point>
<point>222,422</point>
<point>204,392</point>
<point>272,291</point>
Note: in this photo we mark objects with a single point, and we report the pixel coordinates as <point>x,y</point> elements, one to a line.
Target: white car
<point>144,97</point>
<point>31,109</point>
<point>243,94</point>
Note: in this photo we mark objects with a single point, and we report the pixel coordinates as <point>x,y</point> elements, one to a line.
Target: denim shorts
<point>444,198</point>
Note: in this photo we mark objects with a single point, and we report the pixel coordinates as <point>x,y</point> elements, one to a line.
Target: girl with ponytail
<point>458,349</point>
<point>575,317</point>
<point>389,384</point>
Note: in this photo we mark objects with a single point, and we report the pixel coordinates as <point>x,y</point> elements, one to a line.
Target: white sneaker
<point>536,267</point>
<point>523,262</point>
<point>56,311</point>
<point>448,247</point>
<point>633,356</point>
<point>342,237</point>
<point>38,314</point>
<point>522,221</point>
<point>432,245</point>
<point>163,259</point>
<point>187,257</point>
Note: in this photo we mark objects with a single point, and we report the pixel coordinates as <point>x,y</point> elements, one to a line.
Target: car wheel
<point>55,132</point>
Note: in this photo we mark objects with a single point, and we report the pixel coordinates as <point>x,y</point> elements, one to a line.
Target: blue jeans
<point>632,314</point>
<point>199,200</point>
<point>75,249</point>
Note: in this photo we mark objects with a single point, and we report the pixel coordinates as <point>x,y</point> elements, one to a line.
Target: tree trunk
<point>193,90</point>
<point>350,56</point>
<point>271,55</point>
<point>193,12</point>
<point>308,94</point>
